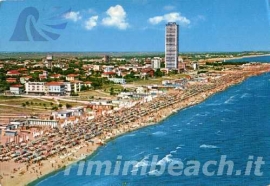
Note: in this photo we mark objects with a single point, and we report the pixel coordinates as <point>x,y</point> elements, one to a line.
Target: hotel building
<point>171,45</point>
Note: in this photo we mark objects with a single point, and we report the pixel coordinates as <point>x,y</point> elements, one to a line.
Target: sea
<point>233,124</point>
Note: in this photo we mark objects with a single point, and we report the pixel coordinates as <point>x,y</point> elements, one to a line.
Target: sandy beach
<point>22,174</point>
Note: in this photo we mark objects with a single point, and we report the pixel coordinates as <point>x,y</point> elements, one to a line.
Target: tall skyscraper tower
<point>171,45</point>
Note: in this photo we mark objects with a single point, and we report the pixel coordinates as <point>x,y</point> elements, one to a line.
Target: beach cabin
<point>77,111</point>
<point>65,114</point>
<point>11,133</point>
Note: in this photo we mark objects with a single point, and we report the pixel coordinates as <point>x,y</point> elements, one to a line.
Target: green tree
<point>68,105</point>
<point>111,91</point>
<point>158,73</point>
<point>60,105</point>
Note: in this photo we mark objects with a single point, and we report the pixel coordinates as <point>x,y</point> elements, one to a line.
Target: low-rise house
<point>97,67</point>
<point>11,80</point>
<point>118,80</point>
<point>13,73</point>
<point>108,68</point>
<point>16,89</point>
<point>43,76</point>
<point>147,72</point>
<point>64,114</point>
<point>73,112</point>
<point>108,74</point>
<point>72,77</point>
<point>55,76</point>
<point>87,83</point>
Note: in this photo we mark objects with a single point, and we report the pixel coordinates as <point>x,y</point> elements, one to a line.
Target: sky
<point>133,25</point>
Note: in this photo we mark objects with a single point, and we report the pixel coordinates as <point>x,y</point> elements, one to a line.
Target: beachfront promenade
<point>59,143</point>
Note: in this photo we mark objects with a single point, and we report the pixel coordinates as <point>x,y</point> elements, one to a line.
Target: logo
<point>31,27</point>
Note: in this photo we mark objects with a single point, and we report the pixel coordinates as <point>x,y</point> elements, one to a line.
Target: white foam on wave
<point>245,95</point>
<point>203,114</point>
<point>218,132</point>
<point>180,146</point>
<point>142,163</point>
<point>166,159</point>
<point>138,154</point>
<point>131,135</point>
<point>153,172</point>
<point>208,146</point>
<point>213,104</point>
<point>230,100</point>
<point>159,133</point>
<point>180,130</point>
<point>173,152</point>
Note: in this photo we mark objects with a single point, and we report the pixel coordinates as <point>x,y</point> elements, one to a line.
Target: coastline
<point>145,121</point>
<point>232,58</point>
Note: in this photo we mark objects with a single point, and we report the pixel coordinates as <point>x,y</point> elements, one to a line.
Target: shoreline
<point>121,130</point>
<point>232,58</point>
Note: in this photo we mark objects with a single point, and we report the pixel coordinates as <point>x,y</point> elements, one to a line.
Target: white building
<point>155,63</point>
<point>108,68</point>
<point>171,45</point>
<point>59,88</point>
<point>195,66</point>
<point>16,89</point>
<point>71,77</point>
<point>48,61</point>
<point>38,122</point>
<point>35,87</point>
<point>96,67</point>
<point>74,86</point>
<point>55,88</point>
<point>118,80</point>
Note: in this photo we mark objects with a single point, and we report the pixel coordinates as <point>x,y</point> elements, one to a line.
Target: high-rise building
<point>171,45</point>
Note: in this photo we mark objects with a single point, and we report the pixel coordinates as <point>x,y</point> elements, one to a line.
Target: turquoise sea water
<point>235,123</point>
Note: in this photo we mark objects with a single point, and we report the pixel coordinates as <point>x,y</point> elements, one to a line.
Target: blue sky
<point>139,25</point>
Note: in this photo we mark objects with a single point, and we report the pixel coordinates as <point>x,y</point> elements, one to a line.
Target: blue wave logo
<point>30,28</point>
